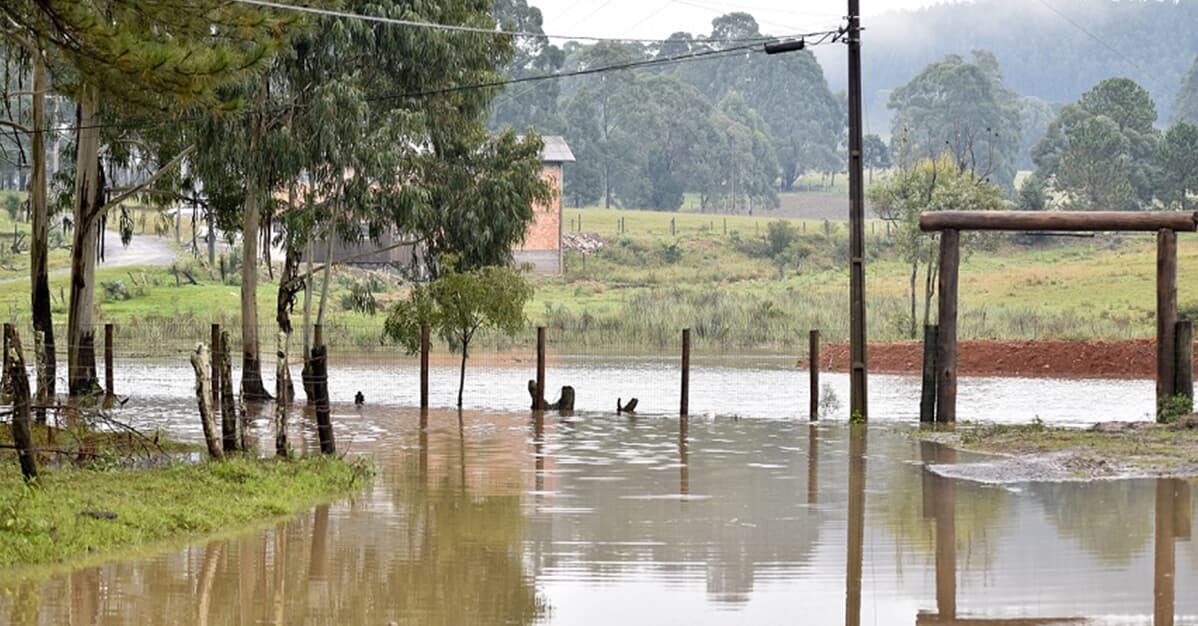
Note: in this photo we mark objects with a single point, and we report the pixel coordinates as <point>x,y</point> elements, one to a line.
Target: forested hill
<point>1040,51</point>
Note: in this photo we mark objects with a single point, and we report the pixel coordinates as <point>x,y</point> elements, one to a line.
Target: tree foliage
<point>459,304</point>
<point>1177,166</point>
<point>1185,107</point>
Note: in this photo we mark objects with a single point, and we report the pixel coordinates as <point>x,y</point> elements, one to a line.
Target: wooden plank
<point>946,340</point>
<point>1147,221</point>
<point>1166,315</point>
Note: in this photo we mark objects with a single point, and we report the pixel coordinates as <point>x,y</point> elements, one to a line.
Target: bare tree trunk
<point>914,273</point>
<point>251,367</point>
<point>461,377</point>
<point>280,405</point>
<point>200,362</point>
<point>89,192</point>
<point>22,437</point>
<point>929,287</point>
<point>39,245</point>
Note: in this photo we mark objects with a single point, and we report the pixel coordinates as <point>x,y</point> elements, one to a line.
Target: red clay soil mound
<point>1050,358</point>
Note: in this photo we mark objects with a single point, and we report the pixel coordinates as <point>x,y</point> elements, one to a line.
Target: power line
<point>1104,43</point>
<point>466,29</point>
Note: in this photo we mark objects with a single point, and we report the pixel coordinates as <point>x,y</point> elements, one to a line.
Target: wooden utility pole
<point>1166,317</point>
<point>858,408</point>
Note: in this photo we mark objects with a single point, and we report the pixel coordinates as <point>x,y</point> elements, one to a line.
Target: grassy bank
<point>1037,451</point>
<point>77,517</point>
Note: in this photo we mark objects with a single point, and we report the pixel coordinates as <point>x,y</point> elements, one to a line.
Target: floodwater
<point>505,517</point>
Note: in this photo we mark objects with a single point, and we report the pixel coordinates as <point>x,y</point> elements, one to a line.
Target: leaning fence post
<point>1184,370</point>
<point>540,399</point>
<point>424,350</point>
<point>927,397</point>
<point>686,372</point>
<point>813,359</point>
<point>200,362</point>
<point>22,437</point>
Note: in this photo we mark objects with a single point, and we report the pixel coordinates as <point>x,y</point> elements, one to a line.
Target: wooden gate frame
<point>1165,224</point>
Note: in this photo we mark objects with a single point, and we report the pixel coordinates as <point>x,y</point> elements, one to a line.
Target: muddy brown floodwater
<point>505,517</point>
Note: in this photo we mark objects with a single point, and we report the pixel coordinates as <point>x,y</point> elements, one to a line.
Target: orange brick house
<point>542,247</point>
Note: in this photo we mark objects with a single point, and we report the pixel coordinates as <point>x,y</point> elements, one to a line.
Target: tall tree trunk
<point>914,273</point>
<point>89,192</point>
<point>251,366</point>
<point>39,245</point>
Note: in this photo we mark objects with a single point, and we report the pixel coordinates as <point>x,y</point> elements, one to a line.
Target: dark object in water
<point>626,408</point>
<point>563,404</point>
<point>359,399</point>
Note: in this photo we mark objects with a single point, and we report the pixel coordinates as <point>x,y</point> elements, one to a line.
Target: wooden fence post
<point>43,384</point>
<point>686,372</point>
<point>946,337</point>
<point>22,436</point>
<point>673,227</point>
<point>813,359</point>
<point>109,384</point>
<point>540,400</point>
<point>927,397</point>
<point>280,404</point>
<point>216,348</point>
<point>324,419</point>
<point>228,411</point>
<point>1166,316</point>
<point>200,362</point>
<point>1184,369</point>
<point>425,332</point>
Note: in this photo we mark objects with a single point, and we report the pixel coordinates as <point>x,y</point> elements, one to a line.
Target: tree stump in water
<point>200,363</point>
<point>564,403</point>
<point>626,408</point>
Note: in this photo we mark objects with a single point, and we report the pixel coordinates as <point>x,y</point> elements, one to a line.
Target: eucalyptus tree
<point>530,104</point>
<point>361,141</point>
<point>960,108</point>
<point>1100,152</point>
<point>121,58</point>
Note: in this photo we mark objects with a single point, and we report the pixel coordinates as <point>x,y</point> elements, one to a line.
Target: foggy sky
<point>660,18</point>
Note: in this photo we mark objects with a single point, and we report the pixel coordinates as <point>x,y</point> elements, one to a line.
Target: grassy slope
<point>173,503</point>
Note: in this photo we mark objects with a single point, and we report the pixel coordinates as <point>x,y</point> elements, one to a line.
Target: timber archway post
<point>1166,225</point>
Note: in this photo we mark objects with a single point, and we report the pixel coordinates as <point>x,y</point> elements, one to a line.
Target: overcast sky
<point>660,18</point>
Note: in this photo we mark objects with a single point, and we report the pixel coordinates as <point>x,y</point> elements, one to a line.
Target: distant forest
<point>738,127</point>
<point>1041,53</point>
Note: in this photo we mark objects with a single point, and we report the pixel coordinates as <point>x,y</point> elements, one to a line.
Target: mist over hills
<point>1052,49</point>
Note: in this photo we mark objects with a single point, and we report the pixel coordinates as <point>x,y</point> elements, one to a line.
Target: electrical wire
<point>469,29</point>
<point>1104,43</point>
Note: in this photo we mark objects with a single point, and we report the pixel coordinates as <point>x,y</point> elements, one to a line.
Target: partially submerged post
<point>201,363</point>
<point>228,411</point>
<point>927,397</point>
<point>1184,369</point>
<point>541,403</point>
<point>216,350</point>
<point>280,402</point>
<point>1165,223</point>
<point>43,382</point>
<point>22,436</point>
<point>109,384</point>
<point>813,360</point>
<point>424,350</point>
<point>686,372</point>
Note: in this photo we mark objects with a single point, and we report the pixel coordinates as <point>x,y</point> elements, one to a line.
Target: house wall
<point>543,243</point>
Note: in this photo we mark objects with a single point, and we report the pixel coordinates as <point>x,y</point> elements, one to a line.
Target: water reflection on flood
<point>597,519</point>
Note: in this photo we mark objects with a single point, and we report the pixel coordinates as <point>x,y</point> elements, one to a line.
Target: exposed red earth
<point>1034,359</point>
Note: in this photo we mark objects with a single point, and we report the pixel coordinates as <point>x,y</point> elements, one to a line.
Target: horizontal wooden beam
<point>1070,221</point>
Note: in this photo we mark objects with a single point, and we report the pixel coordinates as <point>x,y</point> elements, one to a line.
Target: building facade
<point>542,246</point>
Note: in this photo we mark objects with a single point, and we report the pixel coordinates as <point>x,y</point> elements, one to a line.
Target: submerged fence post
<point>1184,370</point>
<point>424,350</point>
<point>200,362</point>
<point>540,399</point>
<point>222,372</point>
<point>216,348</point>
<point>109,385</point>
<point>927,397</point>
<point>1166,316</point>
<point>686,372</point>
<point>22,436</point>
<point>946,335</point>
<point>813,359</point>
